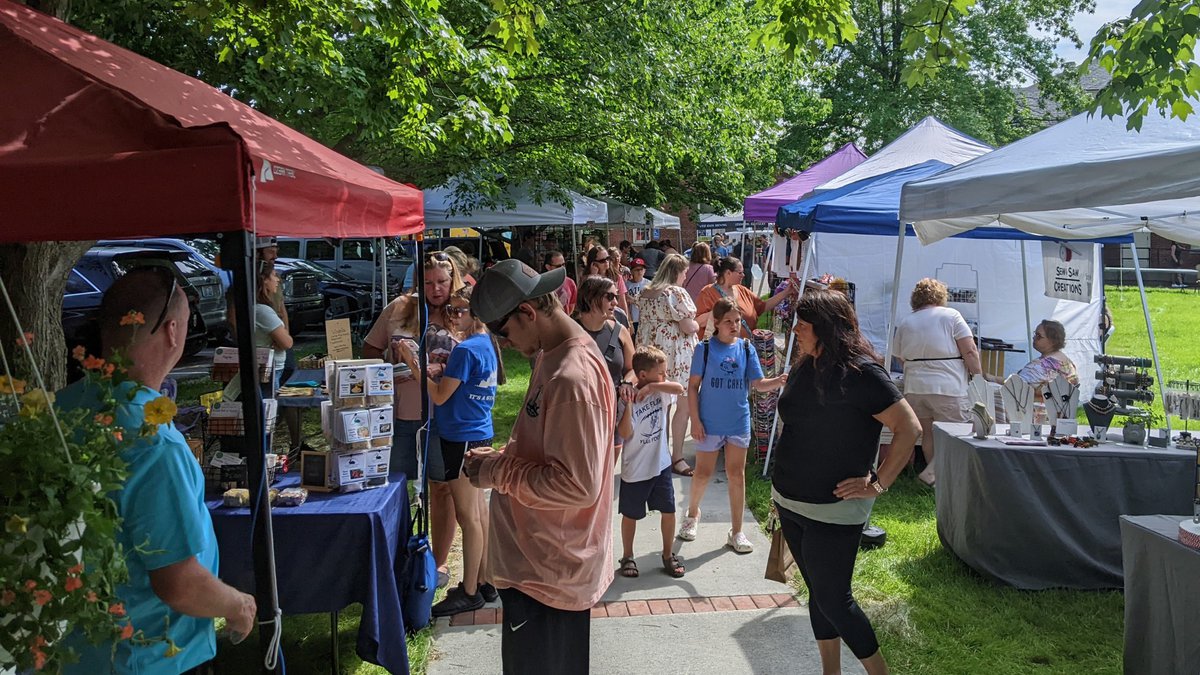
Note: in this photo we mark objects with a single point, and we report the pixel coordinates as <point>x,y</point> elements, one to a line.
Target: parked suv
<point>356,258</point>
<point>301,296</point>
<point>101,266</point>
<point>342,296</point>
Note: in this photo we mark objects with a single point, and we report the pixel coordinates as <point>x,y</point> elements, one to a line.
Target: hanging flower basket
<point>60,563</point>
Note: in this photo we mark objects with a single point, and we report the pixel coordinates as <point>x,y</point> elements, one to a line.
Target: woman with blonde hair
<point>668,321</point>
<point>939,354</point>
<point>395,337</point>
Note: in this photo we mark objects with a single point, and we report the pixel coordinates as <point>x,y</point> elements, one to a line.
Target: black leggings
<point>825,554</point>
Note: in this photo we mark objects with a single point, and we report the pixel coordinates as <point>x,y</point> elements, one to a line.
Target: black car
<point>343,296</point>
<point>101,266</point>
<point>301,296</point>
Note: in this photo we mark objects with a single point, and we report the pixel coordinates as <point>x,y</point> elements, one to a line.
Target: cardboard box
<point>381,422</point>
<point>225,364</point>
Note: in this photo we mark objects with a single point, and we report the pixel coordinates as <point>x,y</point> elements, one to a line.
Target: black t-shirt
<point>825,443</point>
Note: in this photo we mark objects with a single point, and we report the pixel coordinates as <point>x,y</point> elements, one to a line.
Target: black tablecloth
<point>1047,517</point>
<point>334,550</point>
<point>1162,597</point>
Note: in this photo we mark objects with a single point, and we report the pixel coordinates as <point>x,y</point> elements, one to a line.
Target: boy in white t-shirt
<point>646,459</point>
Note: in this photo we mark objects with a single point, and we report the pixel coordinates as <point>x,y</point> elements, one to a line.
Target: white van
<point>355,258</point>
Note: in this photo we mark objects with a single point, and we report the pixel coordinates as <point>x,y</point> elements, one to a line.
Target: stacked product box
<point>357,421</point>
<point>225,364</point>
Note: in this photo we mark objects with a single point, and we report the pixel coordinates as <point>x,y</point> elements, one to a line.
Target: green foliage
<point>805,28</point>
<point>1151,56</point>
<point>907,64</point>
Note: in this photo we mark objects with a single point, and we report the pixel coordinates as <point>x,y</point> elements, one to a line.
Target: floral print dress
<point>659,326</point>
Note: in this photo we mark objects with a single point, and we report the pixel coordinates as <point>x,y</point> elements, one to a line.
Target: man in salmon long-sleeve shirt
<point>550,545</point>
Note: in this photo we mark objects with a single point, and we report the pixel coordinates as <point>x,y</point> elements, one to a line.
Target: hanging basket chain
<point>37,373</point>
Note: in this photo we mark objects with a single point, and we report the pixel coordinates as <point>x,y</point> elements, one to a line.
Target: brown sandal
<point>673,566</point>
<point>686,471</point>
<point>628,567</point>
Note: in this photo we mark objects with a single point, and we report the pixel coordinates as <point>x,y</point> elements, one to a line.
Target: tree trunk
<point>35,277</point>
<point>59,9</point>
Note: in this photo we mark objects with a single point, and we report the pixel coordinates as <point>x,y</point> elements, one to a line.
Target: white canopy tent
<point>1087,177</point>
<point>440,210</point>
<point>1083,178</point>
<point>928,139</point>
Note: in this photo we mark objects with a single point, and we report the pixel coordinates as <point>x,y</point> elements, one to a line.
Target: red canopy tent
<point>98,142</point>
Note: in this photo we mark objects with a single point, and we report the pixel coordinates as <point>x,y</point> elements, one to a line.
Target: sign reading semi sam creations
<point>1068,269</point>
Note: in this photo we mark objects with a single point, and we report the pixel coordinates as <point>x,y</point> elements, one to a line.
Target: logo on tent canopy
<point>269,171</point>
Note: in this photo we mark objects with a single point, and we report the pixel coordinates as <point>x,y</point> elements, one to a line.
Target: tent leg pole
<point>1025,285</point>
<point>240,248</point>
<point>787,359</point>
<point>383,277</point>
<point>1137,270</point>
<point>891,327</point>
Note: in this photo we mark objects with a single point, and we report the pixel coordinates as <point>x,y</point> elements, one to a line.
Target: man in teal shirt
<point>173,592</point>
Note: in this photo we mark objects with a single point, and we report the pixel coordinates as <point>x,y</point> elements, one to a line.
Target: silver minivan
<point>355,258</point>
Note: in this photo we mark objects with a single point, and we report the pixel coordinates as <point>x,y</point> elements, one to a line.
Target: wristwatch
<point>874,482</point>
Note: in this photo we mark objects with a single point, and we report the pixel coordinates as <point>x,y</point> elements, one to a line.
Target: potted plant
<point>60,564</point>
<point>1134,425</point>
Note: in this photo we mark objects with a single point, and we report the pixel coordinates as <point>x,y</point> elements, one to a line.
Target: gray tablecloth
<point>1162,597</point>
<point>1047,517</point>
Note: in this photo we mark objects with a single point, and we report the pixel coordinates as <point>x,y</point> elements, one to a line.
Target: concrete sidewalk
<point>721,617</point>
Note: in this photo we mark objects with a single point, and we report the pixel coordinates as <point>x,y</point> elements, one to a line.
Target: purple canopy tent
<point>762,207</point>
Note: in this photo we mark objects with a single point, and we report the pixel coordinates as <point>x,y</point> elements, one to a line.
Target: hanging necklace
<point>1021,394</point>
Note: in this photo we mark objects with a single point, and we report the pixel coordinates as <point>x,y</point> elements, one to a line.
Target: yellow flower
<point>11,385</point>
<point>35,403</point>
<point>160,411</point>
<point>133,318</point>
<point>16,525</point>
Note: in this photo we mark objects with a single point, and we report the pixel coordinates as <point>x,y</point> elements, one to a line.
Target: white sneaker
<point>739,543</point>
<point>687,531</point>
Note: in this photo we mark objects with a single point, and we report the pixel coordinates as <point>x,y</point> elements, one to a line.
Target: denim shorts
<point>714,442</point>
<point>405,450</point>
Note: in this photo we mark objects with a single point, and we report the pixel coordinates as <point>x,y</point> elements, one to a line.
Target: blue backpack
<point>418,575</point>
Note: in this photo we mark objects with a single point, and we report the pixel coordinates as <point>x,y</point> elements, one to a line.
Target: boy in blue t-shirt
<point>646,458</point>
<point>464,398</point>
<point>724,368</point>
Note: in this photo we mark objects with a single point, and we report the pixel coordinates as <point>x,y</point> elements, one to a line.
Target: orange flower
<point>72,584</point>
<point>7,598</point>
<point>133,318</point>
<point>116,609</point>
<point>42,596</point>
<point>78,569</point>
<point>118,436</point>
<point>39,658</point>
<point>127,631</point>
<point>91,596</point>
<point>108,369</point>
<point>30,585</point>
<point>78,353</point>
<point>25,340</point>
<point>103,420</point>
<point>93,363</point>
<point>11,385</point>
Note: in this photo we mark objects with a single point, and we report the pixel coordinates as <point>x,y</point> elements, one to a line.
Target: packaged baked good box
<point>348,470</point>
<point>381,422</point>
<point>348,382</point>
<point>225,364</point>
<point>378,461</point>
<point>379,380</point>
<point>352,426</point>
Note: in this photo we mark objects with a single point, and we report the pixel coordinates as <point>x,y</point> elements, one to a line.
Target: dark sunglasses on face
<point>497,327</point>
<point>601,260</point>
<point>611,297</point>
<point>553,266</point>
<point>456,311</point>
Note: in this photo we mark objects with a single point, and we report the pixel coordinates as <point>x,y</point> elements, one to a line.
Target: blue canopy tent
<point>871,206</point>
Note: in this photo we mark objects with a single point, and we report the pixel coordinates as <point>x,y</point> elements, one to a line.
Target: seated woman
<point>1049,338</point>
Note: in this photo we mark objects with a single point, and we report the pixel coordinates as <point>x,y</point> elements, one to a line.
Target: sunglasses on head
<point>439,256</point>
<point>456,311</point>
<point>163,274</point>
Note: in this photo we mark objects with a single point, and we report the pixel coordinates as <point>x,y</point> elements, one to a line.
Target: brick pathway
<point>627,608</point>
